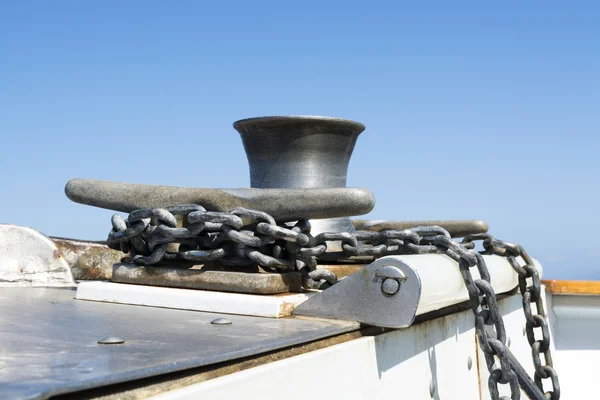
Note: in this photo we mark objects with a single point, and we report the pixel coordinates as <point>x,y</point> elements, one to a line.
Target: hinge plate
<point>360,297</point>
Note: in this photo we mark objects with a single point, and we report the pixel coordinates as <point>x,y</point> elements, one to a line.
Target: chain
<point>530,288</point>
<point>246,238</point>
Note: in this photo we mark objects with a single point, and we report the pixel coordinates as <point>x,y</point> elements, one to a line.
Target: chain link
<point>530,288</point>
<point>246,238</point>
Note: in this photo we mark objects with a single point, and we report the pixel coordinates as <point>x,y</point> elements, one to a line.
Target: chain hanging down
<point>243,237</point>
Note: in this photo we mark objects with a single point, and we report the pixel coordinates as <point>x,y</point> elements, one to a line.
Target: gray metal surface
<point>224,281</point>
<point>48,341</point>
<point>456,228</point>
<point>283,204</point>
<point>300,152</point>
<point>361,297</point>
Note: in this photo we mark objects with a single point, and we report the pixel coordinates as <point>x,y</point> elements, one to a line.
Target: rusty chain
<point>246,238</point>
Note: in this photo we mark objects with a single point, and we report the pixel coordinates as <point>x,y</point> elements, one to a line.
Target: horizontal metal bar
<point>286,204</point>
<point>456,228</point>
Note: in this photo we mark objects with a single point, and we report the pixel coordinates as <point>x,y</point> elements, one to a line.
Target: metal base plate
<point>49,341</point>
<point>360,297</point>
<point>224,281</point>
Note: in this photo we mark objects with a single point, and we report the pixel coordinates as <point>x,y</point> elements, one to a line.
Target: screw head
<point>390,286</point>
<point>469,362</point>
<point>111,340</point>
<point>221,321</point>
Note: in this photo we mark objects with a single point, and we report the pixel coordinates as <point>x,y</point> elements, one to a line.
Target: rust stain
<point>477,366</point>
<point>286,308</point>
<point>94,273</point>
<point>342,270</point>
<point>88,260</point>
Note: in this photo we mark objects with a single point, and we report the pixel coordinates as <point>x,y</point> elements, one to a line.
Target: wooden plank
<point>572,287</point>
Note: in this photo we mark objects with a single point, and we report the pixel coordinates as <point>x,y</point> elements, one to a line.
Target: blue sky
<point>474,110</point>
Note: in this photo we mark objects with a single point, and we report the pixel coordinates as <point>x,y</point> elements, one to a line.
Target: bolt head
<point>111,340</point>
<point>390,286</point>
<point>221,321</point>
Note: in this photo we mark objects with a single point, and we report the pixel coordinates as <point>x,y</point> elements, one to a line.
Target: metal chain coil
<point>245,237</point>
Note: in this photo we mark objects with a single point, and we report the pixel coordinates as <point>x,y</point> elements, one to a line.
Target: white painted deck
<point>425,361</point>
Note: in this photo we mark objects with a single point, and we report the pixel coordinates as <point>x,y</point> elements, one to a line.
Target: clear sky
<point>474,110</point>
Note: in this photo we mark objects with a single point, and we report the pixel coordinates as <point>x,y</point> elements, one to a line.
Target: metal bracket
<point>385,293</point>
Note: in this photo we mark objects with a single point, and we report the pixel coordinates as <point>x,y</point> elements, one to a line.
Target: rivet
<point>111,340</point>
<point>431,388</point>
<point>221,321</point>
<point>469,362</point>
<point>508,342</point>
<point>390,286</point>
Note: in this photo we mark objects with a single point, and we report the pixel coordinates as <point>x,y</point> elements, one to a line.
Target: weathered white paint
<point>397,365</point>
<point>187,299</point>
<point>575,324</point>
<point>442,282</point>
<point>29,258</point>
